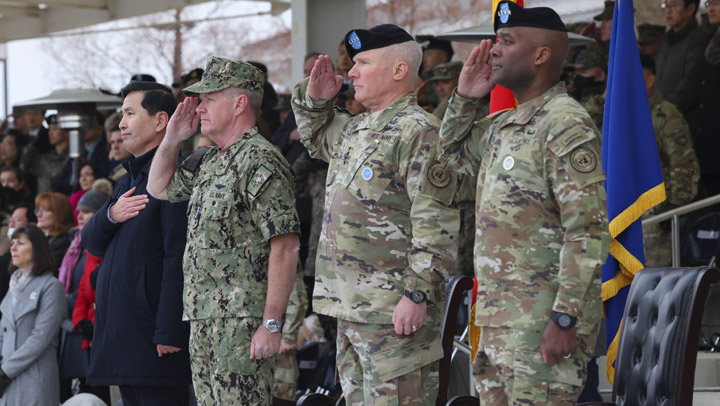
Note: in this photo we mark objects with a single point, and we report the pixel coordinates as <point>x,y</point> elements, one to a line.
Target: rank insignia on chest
<point>583,160</point>
<point>367,173</point>
<point>438,175</point>
<point>508,163</point>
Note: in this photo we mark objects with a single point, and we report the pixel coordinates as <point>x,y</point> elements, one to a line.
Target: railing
<point>674,216</point>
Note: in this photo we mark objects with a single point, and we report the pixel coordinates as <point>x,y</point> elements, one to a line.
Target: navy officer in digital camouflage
<point>242,240</point>
<point>389,236</point>
<point>542,229</point>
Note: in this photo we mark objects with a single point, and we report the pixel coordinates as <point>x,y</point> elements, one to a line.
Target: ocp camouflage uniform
<point>542,236</point>
<point>286,367</point>
<point>239,199</point>
<point>387,228</point>
<point>681,172</point>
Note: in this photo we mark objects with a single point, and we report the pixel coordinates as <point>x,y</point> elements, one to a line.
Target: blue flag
<point>630,159</point>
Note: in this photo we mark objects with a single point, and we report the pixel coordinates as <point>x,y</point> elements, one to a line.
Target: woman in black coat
<point>55,218</point>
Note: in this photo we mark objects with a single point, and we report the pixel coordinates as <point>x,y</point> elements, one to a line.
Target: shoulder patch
<point>192,163</point>
<point>438,175</point>
<point>583,160</point>
<point>567,141</point>
<point>259,179</point>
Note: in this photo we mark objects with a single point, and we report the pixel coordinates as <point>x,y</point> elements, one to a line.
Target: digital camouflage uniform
<point>286,367</point>
<point>239,199</point>
<point>386,229</point>
<point>680,168</point>
<point>542,236</point>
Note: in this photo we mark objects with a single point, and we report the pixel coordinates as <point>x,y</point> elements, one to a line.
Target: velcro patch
<point>259,179</point>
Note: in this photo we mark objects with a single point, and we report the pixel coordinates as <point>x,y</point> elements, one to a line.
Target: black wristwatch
<point>417,296</point>
<point>563,320</point>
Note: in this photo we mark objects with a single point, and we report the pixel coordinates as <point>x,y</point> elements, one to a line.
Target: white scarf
<point>18,282</point>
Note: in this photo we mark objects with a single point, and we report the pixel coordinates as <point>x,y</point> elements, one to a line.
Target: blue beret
<point>509,14</point>
<point>380,36</point>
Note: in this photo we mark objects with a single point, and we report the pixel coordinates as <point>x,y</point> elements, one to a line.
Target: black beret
<point>430,42</point>
<point>142,77</point>
<point>51,119</point>
<point>509,14</point>
<point>380,36</point>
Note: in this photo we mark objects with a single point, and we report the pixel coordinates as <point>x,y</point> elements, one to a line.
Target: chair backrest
<point>655,362</point>
<point>463,401</point>
<point>456,286</point>
<point>315,399</point>
<point>702,242</point>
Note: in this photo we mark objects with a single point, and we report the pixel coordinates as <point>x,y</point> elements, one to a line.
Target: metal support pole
<point>675,233</point>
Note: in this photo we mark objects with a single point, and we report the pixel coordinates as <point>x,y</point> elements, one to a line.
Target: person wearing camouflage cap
<point>242,249</point>
<point>541,219</point>
<point>590,75</point>
<point>445,77</point>
<point>605,18</point>
<point>389,236</point>
<point>649,38</point>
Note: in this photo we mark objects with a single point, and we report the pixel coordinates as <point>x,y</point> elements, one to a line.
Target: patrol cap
<point>447,71</point>
<point>380,36</point>
<point>607,13</point>
<point>650,33</point>
<point>195,74</point>
<point>51,119</point>
<point>509,14</point>
<point>589,58</point>
<point>430,42</point>
<point>221,73</point>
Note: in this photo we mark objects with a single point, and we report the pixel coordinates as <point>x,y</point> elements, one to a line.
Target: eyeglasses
<point>709,3</point>
<point>672,5</point>
<point>42,211</point>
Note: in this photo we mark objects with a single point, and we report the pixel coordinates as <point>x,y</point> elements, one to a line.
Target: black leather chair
<point>455,288</point>
<point>463,401</point>
<point>657,351</point>
<point>702,243</point>
<point>315,399</point>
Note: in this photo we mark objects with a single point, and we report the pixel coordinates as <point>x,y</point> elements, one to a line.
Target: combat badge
<point>583,160</point>
<point>438,175</point>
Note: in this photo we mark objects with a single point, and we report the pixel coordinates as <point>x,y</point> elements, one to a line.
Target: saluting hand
<point>324,83</point>
<point>128,206</point>
<point>184,122</point>
<point>476,75</point>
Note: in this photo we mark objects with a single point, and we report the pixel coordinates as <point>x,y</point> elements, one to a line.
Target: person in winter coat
<point>140,341</point>
<point>32,312</point>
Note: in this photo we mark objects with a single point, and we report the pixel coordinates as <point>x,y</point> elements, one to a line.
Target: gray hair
<point>409,52</point>
<point>254,98</point>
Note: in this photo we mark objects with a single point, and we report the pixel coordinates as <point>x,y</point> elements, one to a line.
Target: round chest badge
<point>438,175</point>
<point>508,163</point>
<point>583,160</point>
<point>367,173</point>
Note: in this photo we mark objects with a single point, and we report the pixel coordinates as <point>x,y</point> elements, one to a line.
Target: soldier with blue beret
<point>541,220</point>
<point>389,235</point>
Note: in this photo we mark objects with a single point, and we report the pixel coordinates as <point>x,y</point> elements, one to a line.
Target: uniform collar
<point>226,158</point>
<point>525,112</point>
<point>378,120</point>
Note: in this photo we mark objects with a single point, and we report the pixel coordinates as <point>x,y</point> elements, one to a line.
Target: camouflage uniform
<point>595,106</point>
<point>239,199</point>
<point>681,172</point>
<point>387,229</point>
<point>542,235</point>
<point>286,367</point>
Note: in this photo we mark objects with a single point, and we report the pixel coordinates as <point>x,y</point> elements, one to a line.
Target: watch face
<point>272,325</point>
<point>417,296</point>
<point>564,320</point>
